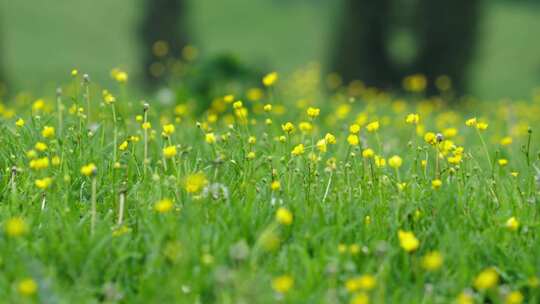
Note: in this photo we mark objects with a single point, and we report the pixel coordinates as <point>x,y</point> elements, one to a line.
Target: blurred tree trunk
<point>360,52</point>
<point>447,34</point>
<point>163,35</point>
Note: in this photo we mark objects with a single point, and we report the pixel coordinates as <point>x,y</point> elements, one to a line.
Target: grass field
<point>366,199</point>
<point>95,36</point>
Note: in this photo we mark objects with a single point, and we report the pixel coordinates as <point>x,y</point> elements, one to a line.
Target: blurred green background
<point>43,40</point>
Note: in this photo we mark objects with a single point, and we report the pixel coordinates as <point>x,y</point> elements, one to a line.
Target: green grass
<point>228,246</point>
<point>96,36</point>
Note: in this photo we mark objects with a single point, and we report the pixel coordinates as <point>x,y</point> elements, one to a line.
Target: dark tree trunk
<point>163,21</point>
<point>361,46</point>
<point>447,34</point>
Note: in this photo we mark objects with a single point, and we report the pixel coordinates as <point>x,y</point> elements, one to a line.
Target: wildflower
<point>238,105</point>
<point>283,284</point>
<point>270,79</point>
<point>38,105</point>
<point>502,162</point>
<point>505,141</point>
<point>481,126</point>
<point>436,183</point>
<point>430,138</point>
<point>512,224</point>
<point>465,298</point>
<point>305,127</point>
<point>39,163</point>
<point>47,132</point>
<point>139,118</point>
<point>373,126</point>
<point>40,146</point>
<point>471,122</point>
<point>360,298</point>
<point>194,183</point>
<point>19,123</point>
<point>55,160</point>
<point>330,138</point>
<point>379,161</point>
<point>169,151</point>
<point>368,153</point>
<point>321,145</point>
<point>210,138</point>
<point>514,297</point>
<point>43,183</point>
<point>313,112</point>
<point>251,155</point>
<point>395,162</point>
<point>353,140</point>
<point>123,146</point>
<point>298,150</point>
<point>27,287</point>
<point>412,119</point>
<point>487,279</point>
<point>252,140</point>
<point>163,206</point>
<point>168,130</point>
<point>408,241</point>
<point>432,261</point>
<point>146,125</point>
<point>267,107</point>
<point>15,227</point>
<point>288,127</point>
<point>284,216</point>
<point>449,132</point>
<point>354,128</point>
<point>89,169</point>
<point>275,185</point>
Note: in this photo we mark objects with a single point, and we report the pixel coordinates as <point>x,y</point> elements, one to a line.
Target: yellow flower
<point>354,128</point>
<point>288,127</point>
<point>163,206</point>
<point>139,118</point>
<point>89,169</point>
<point>55,160</point>
<point>238,105</point>
<point>38,105</point>
<point>252,140</point>
<point>379,161</point>
<point>20,122</point>
<point>168,129</point>
<point>330,138</point>
<point>412,119</point>
<point>471,122</point>
<point>481,126</point>
<point>195,182</point>
<point>395,162</point>
<point>505,141</point>
<point>283,284</point>
<point>284,216</point>
<point>449,132</point>
<point>432,261</point>
<point>502,162</point>
<point>305,126</point>
<point>373,126</point>
<point>270,79</point>
<point>210,138</point>
<point>27,287</point>
<point>514,297</point>
<point>408,241</point>
<point>465,298</point>
<point>353,140</point>
<point>321,145</point>
<point>313,112</point>
<point>275,185</point>
<point>360,298</point>
<point>15,227</point>
<point>43,183</point>
<point>169,151</point>
<point>512,224</point>
<point>298,150</point>
<point>368,153</point>
<point>146,125</point>
<point>47,132</point>
<point>40,146</point>
<point>39,163</point>
<point>123,146</point>
<point>487,279</point>
<point>267,107</point>
<point>251,155</point>
<point>430,138</point>
<point>436,184</point>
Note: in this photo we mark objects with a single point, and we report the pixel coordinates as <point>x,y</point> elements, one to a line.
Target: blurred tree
<point>444,33</point>
<point>163,34</point>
